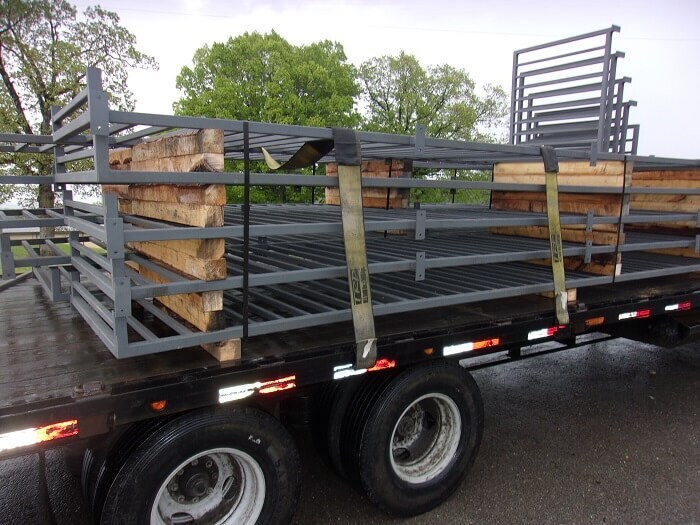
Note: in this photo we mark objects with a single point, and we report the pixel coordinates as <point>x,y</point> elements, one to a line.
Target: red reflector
<point>643,313</point>
<point>32,436</point>
<point>382,364</point>
<point>488,343</point>
<point>57,431</point>
<point>277,385</point>
<point>684,306</point>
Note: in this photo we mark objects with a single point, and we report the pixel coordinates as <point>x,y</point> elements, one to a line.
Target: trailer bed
<point>48,350</point>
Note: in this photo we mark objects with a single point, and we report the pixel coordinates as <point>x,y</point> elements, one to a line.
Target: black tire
<point>102,462</point>
<point>419,438</point>
<point>329,414</point>
<point>354,420</point>
<point>74,458</point>
<point>238,448</point>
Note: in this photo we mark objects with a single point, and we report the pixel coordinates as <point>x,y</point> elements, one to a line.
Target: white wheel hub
<point>425,438</point>
<point>218,487</point>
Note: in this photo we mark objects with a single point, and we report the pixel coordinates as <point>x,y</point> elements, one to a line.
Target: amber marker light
<point>595,321</point>
<point>428,351</point>
<point>158,406</point>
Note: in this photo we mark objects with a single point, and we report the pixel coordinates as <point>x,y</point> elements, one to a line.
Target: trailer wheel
<point>238,466</point>
<point>329,413</point>
<point>419,438</point>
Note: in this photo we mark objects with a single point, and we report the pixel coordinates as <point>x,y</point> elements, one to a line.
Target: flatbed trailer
<point>164,432</point>
<point>55,369</point>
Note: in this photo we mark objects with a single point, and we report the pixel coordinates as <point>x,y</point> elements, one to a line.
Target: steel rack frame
<point>566,93</point>
<point>277,281</point>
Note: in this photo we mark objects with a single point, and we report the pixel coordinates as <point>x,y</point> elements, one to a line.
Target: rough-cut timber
<point>202,215</point>
<point>207,269</point>
<point>609,174</point>
<point>568,234</point>
<point>200,142</point>
<point>197,303</point>
<point>209,194</point>
<point>668,179</point>
<point>119,160</point>
<point>193,205</point>
<point>389,198</point>
<point>668,203</point>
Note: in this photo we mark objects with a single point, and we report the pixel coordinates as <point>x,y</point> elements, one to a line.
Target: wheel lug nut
<point>195,462</point>
<point>208,464</point>
<point>181,472</point>
<point>195,500</point>
<point>210,490</point>
<point>173,487</point>
<point>180,499</point>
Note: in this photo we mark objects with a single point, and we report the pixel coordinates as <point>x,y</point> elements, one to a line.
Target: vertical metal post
<point>388,190</point>
<point>624,210</point>
<point>98,107</point>
<point>121,284</point>
<point>313,188</point>
<point>8,260</point>
<point>513,96</point>
<point>246,224</point>
<point>603,142</point>
<point>60,167</point>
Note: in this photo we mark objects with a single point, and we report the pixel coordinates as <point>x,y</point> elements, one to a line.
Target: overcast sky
<point>660,39</point>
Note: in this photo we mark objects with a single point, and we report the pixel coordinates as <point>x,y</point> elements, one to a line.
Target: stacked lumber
<point>668,203</point>
<point>192,205</point>
<point>385,198</point>
<point>672,203</point>
<point>604,174</point>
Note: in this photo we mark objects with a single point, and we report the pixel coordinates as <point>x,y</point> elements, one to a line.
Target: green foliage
<point>45,49</point>
<point>271,194</point>
<point>266,79</point>
<point>441,196</point>
<point>398,93</point>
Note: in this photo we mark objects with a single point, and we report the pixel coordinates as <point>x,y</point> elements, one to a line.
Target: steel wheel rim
<point>425,438</point>
<point>220,486</point>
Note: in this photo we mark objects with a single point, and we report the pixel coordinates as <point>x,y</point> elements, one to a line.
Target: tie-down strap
<point>348,155</point>
<point>551,168</point>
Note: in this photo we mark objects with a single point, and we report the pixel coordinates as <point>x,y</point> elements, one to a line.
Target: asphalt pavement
<point>604,434</point>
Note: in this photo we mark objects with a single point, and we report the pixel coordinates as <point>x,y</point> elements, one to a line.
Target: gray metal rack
<point>286,262</point>
<point>566,93</point>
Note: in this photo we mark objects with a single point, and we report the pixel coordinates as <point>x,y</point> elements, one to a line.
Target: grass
<point>20,253</point>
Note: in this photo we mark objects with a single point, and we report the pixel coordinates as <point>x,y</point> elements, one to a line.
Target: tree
<point>398,93</point>
<point>264,78</point>
<point>45,50</point>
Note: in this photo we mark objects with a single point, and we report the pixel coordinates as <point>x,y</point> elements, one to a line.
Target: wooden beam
<point>205,269</point>
<point>180,143</point>
<point>601,264</point>
<point>567,234</point>
<point>210,194</point>
<point>607,170</point>
<point>229,350</point>
<point>601,205</point>
<point>203,301</point>
<point>201,215</point>
<point>196,248</point>
<point>196,162</point>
